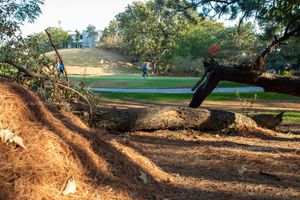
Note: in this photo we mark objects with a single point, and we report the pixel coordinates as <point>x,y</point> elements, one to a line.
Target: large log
<point>170,117</point>
<point>268,81</point>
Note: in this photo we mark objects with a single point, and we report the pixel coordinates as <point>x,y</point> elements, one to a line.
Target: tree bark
<point>58,55</point>
<point>268,81</point>
<point>175,117</point>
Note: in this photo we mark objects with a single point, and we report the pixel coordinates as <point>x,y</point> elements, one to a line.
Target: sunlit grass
<point>135,81</point>
<point>249,96</point>
<point>179,98</point>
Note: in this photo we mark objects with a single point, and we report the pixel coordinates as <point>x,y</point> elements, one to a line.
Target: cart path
<point>176,90</point>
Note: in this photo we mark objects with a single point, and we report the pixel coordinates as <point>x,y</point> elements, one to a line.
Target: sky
<point>75,14</point>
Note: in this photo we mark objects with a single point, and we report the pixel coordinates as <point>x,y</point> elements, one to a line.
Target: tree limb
<point>47,78</point>
<point>275,44</point>
<point>24,70</point>
<point>268,81</point>
<point>58,55</point>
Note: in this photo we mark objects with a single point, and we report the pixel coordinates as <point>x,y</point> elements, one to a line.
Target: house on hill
<point>82,39</point>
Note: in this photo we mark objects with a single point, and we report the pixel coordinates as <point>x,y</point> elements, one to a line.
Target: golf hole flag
<point>214,50</point>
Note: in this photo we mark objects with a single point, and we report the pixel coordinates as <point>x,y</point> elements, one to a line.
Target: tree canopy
<point>22,59</point>
<point>13,13</point>
<point>275,18</point>
<point>146,30</point>
<point>278,18</point>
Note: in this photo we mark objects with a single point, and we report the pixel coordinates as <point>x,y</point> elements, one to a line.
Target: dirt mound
<point>59,148</point>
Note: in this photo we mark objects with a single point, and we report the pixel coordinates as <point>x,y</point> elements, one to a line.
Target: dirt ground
<point>234,106</point>
<point>113,69</point>
<point>214,165</point>
<point>162,165</point>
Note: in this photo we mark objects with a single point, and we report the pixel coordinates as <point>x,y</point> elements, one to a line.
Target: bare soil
<point>164,164</point>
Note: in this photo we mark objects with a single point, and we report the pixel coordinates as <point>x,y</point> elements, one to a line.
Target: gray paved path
<point>175,91</point>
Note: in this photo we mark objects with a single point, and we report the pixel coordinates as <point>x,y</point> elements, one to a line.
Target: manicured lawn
<point>292,116</point>
<point>135,81</point>
<point>153,98</point>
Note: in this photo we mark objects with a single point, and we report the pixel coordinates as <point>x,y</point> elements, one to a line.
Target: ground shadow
<point>123,168</point>
<point>224,154</point>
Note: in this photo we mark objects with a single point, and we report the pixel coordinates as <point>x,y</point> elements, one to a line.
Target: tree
<point>111,37</point>
<point>145,30</point>
<point>192,45</point>
<point>59,36</point>
<point>280,18</point>
<point>13,13</point>
<point>14,48</point>
<point>77,38</point>
<point>288,55</point>
<point>92,34</point>
<point>21,55</point>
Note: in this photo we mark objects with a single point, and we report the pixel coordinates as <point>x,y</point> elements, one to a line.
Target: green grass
<point>160,98</point>
<point>178,98</point>
<point>135,81</point>
<point>292,116</point>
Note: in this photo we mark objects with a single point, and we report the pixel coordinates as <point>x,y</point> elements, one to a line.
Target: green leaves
<point>191,47</point>
<point>41,43</point>
<point>13,13</point>
<point>145,30</point>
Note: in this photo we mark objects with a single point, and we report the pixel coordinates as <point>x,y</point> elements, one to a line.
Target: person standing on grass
<point>145,70</point>
<point>60,69</point>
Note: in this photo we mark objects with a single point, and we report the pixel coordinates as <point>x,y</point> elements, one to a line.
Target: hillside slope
<point>95,61</point>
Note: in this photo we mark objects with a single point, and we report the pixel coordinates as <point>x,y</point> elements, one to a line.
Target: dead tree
<point>216,73</point>
<point>170,117</point>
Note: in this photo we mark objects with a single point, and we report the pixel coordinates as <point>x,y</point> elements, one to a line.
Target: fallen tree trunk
<point>268,81</point>
<point>175,117</point>
<point>250,73</point>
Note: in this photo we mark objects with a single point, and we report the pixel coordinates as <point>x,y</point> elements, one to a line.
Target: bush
<point>187,65</point>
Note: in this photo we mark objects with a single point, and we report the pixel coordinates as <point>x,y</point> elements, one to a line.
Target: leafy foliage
<point>59,36</point>
<point>14,12</point>
<point>287,56</point>
<point>266,12</point>
<point>145,30</point>
<point>111,37</point>
<point>22,59</point>
<point>192,45</point>
<point>278,19</point>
